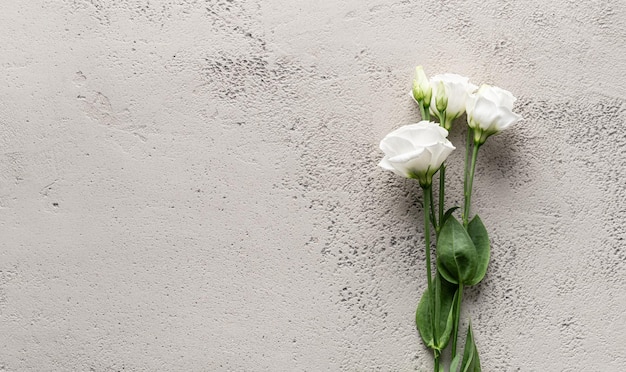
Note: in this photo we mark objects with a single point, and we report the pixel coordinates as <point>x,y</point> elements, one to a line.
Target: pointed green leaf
<point>471,361</point>
<point>468,365</point>
<point>456,254</point>
<point>476,361</point>
<point>448,214</point>
<point>477,232</point>
<point>445,317</point>
<point>468,353</point>
<point>423,322</point>
<point>446,295</point>
<point>454,365</point>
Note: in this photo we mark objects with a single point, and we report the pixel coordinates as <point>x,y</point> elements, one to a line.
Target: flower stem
<point>468,144</point>
<point>427,202</point>
<point>468,185</point>
<point>433,218</point>
<point>437,295</point>
<point>457,318</point>
<point>442,187</point>
<point>424,112</point>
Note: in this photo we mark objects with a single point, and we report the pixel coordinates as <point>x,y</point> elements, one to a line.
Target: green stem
<point>442,176</point>
<point>433,218</point>
<point>426,115</point>
<point>427,201</point>
<point>468,188</point>
<point>437,313</point>
<point>457,318</point>
<point>468,143</point>
<point>442,187</point>
<point>424,111</point>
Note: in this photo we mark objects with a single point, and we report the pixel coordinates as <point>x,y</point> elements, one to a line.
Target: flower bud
<point>441,100</point>
<point>417,91</point>
<point>422,90</point>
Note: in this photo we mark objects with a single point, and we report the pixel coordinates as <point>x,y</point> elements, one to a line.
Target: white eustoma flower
<point>416,151</point>
<point>455,88</point>
<point>490,111</point>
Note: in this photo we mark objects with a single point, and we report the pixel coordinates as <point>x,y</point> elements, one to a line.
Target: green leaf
<point>456,253</point>
<point>423,322</point>
<point>477,232</point>
<point>448,214</point>
<point>446,274</point>
<point>468,366</point>
<point>476,362</point>
<point>444,318</point>
<point>471,361</point>
<point>454,365</point>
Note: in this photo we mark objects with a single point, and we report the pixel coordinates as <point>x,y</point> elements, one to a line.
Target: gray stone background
<point>191,185</point>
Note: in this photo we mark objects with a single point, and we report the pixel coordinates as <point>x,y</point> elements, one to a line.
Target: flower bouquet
<point>462,248</point>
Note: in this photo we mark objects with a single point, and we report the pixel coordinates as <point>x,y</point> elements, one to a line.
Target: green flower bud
<point>417,91</point>
<point>441,100</point>
<point>422,91</point>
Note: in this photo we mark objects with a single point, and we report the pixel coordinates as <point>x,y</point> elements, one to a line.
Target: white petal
<point>416,162</point>
<point>410,127</point>
<point>505,98</point>
<point>442,131</point>
<point>425,137</point>
<point>505,119</point>
<point>457,95</point>
<point>385,164</point>
<point>408,156</point>
<point>470,102</point>
<point>424,133</point>
<point>439,154</point>
<point>485,112</point>
<point>393,145</point>
<point>497,95</point>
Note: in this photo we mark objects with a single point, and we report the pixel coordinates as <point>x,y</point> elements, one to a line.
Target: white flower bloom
<point>416,151</point>
<point>490,111</point>
<point>457,89</point>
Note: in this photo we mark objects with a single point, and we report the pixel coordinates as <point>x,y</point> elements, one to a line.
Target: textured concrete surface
<point>191,185</point>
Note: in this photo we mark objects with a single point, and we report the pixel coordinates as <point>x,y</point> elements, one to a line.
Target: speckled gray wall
<point>191,185</point>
